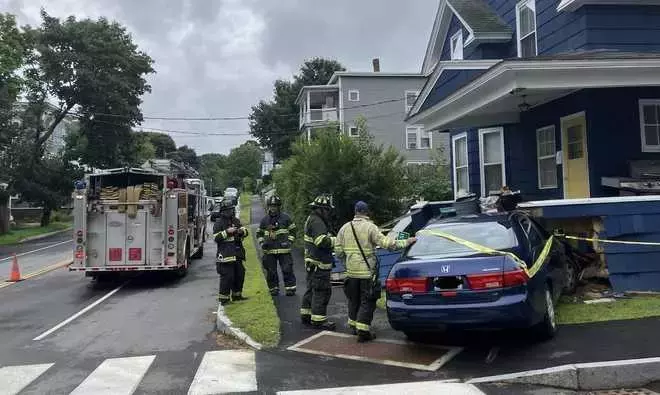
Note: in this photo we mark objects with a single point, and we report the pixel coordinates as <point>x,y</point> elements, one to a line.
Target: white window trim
<point>418,162</point>
<point>419,130</point>
<point>454,139</point>
<point>405,100</point>
<point>553,156</point>
<point>536,35</point>
<point>350,131</point>
<point>642,103</point>
<point>482,173</point>
<point>357,92</point>
<point>456,51</point>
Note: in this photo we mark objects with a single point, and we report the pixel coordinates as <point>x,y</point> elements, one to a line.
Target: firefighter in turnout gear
<point>229,234</point>
<point>356,243</point>
<point>319,260</point>
<point>276,237</point>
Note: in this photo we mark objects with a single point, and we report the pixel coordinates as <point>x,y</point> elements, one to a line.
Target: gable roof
<point>338,74</point>
<point>481,22</point>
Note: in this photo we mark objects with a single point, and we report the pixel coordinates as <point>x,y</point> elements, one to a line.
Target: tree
<point>243,162</point>
<point>185,155</point>
<point>274,123</point>
<point>162,143</point>
<point>349,170</point>
<point>214,173</point>
<point>431,181</point>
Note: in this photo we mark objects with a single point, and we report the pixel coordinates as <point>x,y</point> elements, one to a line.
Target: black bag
<point>376,287</point>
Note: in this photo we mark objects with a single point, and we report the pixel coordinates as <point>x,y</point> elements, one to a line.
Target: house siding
<point>626,28</point>
<point>386,121</point>
<point>454,26</point>
<point>449,82</point>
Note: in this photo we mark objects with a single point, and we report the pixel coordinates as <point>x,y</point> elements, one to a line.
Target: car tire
<point>547,328</point>
<point>571,278</point>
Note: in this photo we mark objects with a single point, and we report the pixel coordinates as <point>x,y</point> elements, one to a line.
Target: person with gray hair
<point>356,244</point>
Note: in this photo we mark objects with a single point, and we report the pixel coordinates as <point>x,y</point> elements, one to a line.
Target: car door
<point>552,267</point>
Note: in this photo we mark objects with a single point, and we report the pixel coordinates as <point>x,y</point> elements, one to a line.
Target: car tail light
<point>407,285</point>
<point>497,280</point>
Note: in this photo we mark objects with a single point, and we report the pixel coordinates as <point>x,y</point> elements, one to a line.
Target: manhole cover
<point>382,351</point>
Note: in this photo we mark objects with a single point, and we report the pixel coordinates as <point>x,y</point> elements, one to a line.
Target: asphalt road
<point>36,255</point>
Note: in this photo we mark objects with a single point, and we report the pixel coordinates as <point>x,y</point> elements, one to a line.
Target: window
<point>546,151</point>
<point>411,97</point>
<point>456,44</point>
<point>491,160</point>
<point>354,95</point>
<point>460,165</point>
<point>353,131</point>
<point>649,122</point>
<point>418,138</point>
<point>526,28</point>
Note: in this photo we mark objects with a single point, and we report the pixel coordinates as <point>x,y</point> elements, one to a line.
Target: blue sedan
<point>441,284</point>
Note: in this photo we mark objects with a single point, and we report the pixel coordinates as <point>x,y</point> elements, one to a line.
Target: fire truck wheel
<point>200,253</point>
<point>182,271</point>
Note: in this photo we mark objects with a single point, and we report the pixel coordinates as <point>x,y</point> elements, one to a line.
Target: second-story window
<point>456,44</point>
<point>411,97</point>
<point>526,28</point>
<point>353,95</point>
<point>418,138</point>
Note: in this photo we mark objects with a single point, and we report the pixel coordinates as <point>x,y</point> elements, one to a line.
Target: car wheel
<point>570,278</point>
<point>548,327</point>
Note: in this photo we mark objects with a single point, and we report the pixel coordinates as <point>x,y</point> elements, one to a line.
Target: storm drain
<point>381,351</point>
<point>641,391</point>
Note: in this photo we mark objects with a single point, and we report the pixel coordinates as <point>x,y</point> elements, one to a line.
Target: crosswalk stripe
<point>14,378</point>
<point>225,371</point>
<point>115,376</point>
<point>423,387</point>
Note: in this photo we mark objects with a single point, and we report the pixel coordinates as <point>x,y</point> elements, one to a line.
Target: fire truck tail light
<point>79,233</point>
<point>170,246</point>
<point>115,254</point>
<point>80,254</point>
<point>170,232</point>
<point>135,254</point>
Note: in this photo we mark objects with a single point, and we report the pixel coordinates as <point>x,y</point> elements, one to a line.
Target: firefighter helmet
<point>274,201</point>
<point>322,201</point>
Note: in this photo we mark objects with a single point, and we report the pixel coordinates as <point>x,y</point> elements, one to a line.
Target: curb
<point>628,373</point>
<point>224,325</point>
<point>45,235</point>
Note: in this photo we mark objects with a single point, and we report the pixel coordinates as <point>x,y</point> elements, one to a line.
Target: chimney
<point>376,63</point>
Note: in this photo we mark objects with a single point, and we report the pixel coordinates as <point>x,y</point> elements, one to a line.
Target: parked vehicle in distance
<point>231,193</point>
<point>440,284</point>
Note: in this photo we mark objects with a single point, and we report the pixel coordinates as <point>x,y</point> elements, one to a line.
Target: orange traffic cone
<point>15,272</point>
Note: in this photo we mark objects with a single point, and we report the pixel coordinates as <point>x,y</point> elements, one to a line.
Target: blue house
<point>545,96</point>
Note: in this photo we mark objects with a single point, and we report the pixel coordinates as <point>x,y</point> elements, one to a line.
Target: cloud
<point>220,57</point>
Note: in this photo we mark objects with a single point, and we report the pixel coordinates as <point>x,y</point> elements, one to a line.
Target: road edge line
<point>627,373</point>
<point>225,326</point>
<point>45,235</point>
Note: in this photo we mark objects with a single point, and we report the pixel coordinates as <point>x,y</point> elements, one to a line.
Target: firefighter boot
<point>324,325</point>
<point>238,297</point>
<point>306,319</point>
<point>365,336</point>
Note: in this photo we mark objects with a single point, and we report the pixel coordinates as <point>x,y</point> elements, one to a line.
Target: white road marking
<point>78,314</point>
<point>15,378</point>
<point>115,376</point>
<point>424,387</point>
<point>225,371</point>
<point>37,250</point>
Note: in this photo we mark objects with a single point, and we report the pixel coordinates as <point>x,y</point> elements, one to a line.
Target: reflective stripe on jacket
<point>230,247</point>
<point>276,234</point>
<point>318,243</point>
<point>370,237</point>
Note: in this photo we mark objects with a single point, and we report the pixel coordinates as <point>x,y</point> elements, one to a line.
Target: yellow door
<point>575,161</point>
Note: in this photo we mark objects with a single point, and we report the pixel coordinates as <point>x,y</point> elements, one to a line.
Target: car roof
<point>473,218</point>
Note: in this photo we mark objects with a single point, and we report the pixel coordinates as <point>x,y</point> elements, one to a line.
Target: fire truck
<point>151,218</point>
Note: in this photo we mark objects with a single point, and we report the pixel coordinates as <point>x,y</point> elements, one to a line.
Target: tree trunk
<point>45,216</point>
<point>4,218</point>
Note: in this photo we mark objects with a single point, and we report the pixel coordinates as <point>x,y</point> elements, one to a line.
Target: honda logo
<point>445,268</point>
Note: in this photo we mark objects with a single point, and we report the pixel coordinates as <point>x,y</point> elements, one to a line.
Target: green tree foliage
<point>162,143</point>
<point>349,170</point>
<point>214,173</point>
<point>185,155</point>
<point>274,123</point>
<point>430,182</point>
<point>243,162</point>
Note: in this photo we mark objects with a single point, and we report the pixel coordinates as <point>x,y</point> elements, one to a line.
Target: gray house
<point>382,99</point>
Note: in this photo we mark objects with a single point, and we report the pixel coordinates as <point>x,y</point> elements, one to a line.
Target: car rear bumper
<point>511,311</point>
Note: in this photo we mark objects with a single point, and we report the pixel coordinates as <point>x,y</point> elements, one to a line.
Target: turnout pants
<point>286,263</point>
<point>317,296</point>
<point>361,306</point>
<point>232,277</point>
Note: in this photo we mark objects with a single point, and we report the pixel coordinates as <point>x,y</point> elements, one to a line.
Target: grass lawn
<point>257,316</point>
<point>579,313</point>
<point>16,235</point>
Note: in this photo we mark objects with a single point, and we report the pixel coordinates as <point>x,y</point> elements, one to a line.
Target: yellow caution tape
<point>644,243</point>
<point>538,264</point>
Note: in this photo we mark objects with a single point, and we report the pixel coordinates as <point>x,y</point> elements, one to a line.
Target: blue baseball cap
<point>361,207</point>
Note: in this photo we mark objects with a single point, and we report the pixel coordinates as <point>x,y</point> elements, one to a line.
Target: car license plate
<point>448,283</point>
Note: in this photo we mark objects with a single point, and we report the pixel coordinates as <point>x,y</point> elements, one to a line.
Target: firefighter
<point>276,236</point>
<point>356,243</point>
<point>229,234</point>
<point>319,244</point>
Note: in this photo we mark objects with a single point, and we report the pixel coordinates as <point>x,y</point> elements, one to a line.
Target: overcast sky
<point>216,58</point>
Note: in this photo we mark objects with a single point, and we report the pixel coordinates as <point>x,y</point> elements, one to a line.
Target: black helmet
<point>226,205</point>
<point>322,201</point>
<point>274,201</point>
